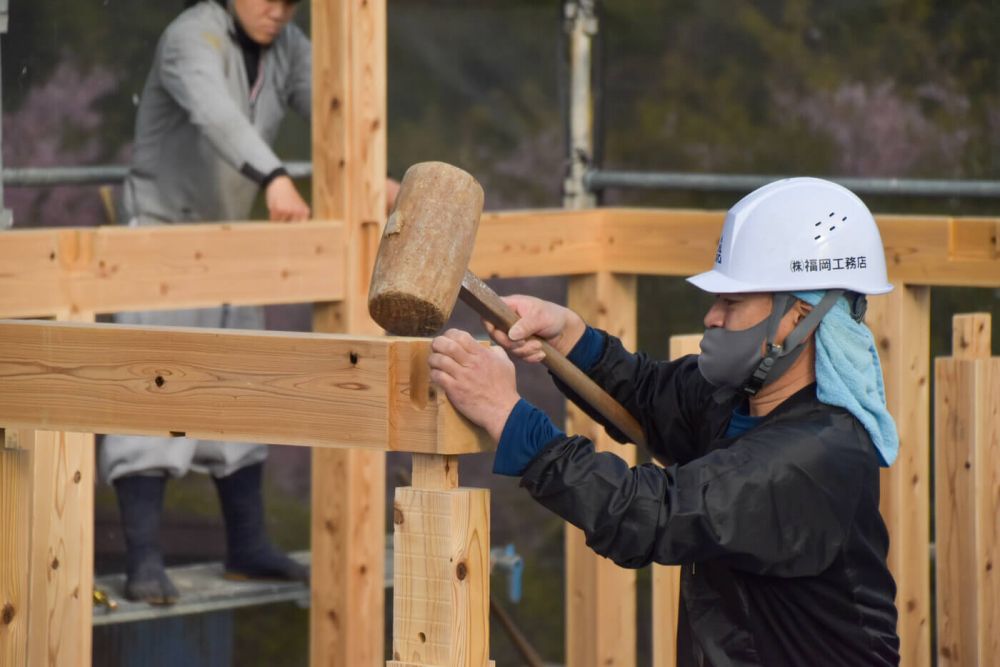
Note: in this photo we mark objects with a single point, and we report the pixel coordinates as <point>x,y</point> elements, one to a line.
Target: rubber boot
<point>140,504</point>
<point>249,554</point>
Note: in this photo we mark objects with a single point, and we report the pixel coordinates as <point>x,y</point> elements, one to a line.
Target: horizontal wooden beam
<point>538,243</point>
<point>280,388</point>
<point>920,250</point>
<point>57,272</point>
<point>660,242</point>
<point>959,252</point>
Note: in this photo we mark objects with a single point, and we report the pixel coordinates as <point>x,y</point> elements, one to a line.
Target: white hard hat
<point>798,234</point>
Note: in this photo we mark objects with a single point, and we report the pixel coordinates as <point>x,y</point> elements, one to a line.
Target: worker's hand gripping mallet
<point>421,269</point>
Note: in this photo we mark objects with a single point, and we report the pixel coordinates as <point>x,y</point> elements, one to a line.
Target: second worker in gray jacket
<point>224,74</point>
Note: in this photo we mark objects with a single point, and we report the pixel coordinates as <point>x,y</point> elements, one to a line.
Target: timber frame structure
<point>351,395</point>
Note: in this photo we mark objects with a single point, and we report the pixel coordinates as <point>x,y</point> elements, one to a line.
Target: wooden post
<point>347,624</point>
<point>15,487</point>
<point>900,322</point>
<point>600,596</point>
<point>967,498</point>
<point>667,579</point>
<point>47,550</point>
<point>441,550</point>
<point>47,544</point>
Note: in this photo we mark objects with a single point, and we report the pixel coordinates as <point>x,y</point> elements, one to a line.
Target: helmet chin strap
<point>779,358</point>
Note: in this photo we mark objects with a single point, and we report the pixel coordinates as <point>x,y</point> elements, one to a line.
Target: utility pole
<point>581,25</point>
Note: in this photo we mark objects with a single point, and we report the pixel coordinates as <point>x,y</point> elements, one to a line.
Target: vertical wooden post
<point>47,544</point>
<point>967,498</point>
<point>47,558</point>
<point>441,571</point>
<point>900,322</point>
<point>600,596</point>
<point>349,171</point>
<point>667,579</point>
<point>15,517</point>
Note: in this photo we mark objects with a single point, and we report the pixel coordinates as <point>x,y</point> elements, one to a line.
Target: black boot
<point>249,554</point>
<point>140,504</point>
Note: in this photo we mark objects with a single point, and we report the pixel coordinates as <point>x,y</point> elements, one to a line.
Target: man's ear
<point>801,309</point>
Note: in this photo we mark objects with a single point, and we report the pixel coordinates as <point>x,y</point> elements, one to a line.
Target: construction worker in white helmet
<point>770,440</point>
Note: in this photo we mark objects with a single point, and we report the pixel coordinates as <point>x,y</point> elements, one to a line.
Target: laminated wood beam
<point>49,272</point>
<point>283,388</point>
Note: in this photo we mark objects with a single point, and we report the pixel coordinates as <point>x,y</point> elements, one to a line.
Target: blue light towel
<point>849,375</point>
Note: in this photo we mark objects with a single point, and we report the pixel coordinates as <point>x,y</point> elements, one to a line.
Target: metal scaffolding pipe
<point>109,174</point>
<point>581,26</point>
<point>600,179</point>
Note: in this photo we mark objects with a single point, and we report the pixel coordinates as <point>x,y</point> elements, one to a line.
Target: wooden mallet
<point>421,270</point>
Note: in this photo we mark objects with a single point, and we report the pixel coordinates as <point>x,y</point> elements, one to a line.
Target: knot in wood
<point>159,381</point>
<point>8,614</point>
<point>461,571</point>
<point>397,516</point>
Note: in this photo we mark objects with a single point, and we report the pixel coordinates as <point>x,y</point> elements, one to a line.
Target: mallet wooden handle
<point>491,307</point>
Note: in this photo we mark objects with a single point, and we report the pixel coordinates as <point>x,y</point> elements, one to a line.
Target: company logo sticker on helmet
<point>718,250</point>
<point>833,264</point>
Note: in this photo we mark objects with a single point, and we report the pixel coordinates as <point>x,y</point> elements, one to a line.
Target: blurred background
<point>849,88</point>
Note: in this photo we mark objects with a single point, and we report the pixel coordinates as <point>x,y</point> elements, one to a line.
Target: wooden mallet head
<point>420,272</point>
<point>425,249</point>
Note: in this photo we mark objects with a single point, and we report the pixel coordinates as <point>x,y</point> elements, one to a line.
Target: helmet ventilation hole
<point>831,227</point>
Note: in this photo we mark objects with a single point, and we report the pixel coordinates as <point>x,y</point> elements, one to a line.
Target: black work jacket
<point>778,530</point>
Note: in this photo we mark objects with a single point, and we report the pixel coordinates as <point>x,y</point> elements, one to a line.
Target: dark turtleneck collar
<point>251,50</point>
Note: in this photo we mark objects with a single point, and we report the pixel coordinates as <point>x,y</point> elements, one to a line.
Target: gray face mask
<point>729,358</point>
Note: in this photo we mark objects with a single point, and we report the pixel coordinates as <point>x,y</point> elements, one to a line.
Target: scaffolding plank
<point>202,589</point>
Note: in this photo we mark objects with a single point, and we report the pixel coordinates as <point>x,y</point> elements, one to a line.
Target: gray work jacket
<point>203,134</point>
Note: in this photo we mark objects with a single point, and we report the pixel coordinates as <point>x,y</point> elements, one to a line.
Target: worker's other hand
<point>560,327</point>
<point>283,201</point>
<point>391,192</point>
<point>478,380</point>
